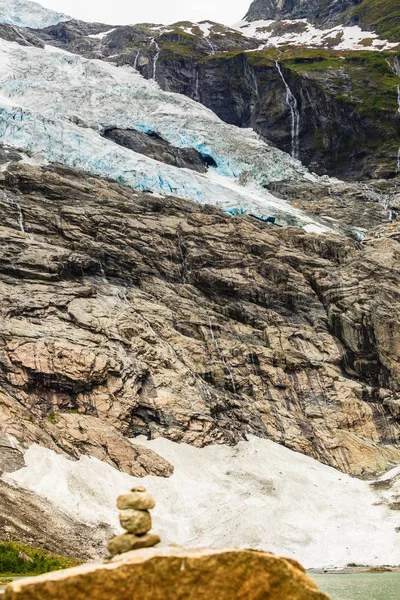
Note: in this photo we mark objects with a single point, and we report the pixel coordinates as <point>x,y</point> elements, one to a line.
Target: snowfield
<point>335,38</point>
<point>257,494</point>
<point>29,14</point>
<point>57,104</point>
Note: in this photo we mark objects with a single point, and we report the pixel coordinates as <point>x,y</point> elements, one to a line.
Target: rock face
<point>123,314</point>
<point>172,574</point>
<point>325,13</point>
<point>153,145</point>
<point>349,125</point>
<point>381,16</point>
<point>21,35</point>
<point>348,120</point>
<point>32,520</point>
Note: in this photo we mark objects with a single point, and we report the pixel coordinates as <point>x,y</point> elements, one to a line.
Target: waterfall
<point>20,216</point>
<point>294,114</point>
<point>135,64</point>
<point>395,67</point>
<point>398,110</point>
<point>196,94</point>
<point>155,59</point>
<point>102,272</point>
<point>17,207</point>
<point>212,48</point>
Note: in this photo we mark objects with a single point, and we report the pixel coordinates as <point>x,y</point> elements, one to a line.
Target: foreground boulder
<point>174,574</point>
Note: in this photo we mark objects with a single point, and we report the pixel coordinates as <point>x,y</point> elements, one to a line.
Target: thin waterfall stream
<point>155,59</point>
<point>291,102</point>
<point>395,67</point>
<point>17,207</point>
<point>210,44</point>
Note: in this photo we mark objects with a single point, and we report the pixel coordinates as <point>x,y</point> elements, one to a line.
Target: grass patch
<point>51,417</point>
<point>14,561</point>
<point>383,16</point>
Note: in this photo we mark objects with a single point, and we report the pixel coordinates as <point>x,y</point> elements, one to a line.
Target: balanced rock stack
<point>135,518</point>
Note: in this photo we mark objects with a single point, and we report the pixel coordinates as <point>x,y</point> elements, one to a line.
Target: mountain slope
<point>59,104</point>
<point>126,313</point>
<point>313,10</point>
<point>381,16</point>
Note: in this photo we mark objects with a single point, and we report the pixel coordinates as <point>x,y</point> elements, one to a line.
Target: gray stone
<point>135,521</point>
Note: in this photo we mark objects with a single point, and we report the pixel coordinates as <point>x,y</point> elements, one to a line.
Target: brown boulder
<point>175,574</point>
<point>138,500</point>
<point>128,541</point>
<point>135,521</point>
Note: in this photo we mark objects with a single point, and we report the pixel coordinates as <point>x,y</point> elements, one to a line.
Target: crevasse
<point>43,91</point>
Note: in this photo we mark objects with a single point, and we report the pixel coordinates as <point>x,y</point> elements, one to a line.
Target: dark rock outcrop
<point>123,313</point>
<point>349,125</point>
<point>32,520</point>
<point>21,35</point>
<point>315,11</point>
<point>153,145</point>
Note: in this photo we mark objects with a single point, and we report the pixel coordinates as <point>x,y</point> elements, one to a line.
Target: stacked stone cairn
<point>135,518</point>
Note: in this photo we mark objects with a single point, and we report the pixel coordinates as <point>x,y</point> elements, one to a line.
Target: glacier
<point>44,93</point>
<point>23,13</point>
<point>257,494</point>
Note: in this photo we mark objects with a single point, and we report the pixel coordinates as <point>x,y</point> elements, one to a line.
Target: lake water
<point>360,586</point>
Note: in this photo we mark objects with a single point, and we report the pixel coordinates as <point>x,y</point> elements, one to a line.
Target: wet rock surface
<point>349,122</point>
<point>174,573</point>
<point>153,145</point>
<point>20,35</point>
<point>124,314</point>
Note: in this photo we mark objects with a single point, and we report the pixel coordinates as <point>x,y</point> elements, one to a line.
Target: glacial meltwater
<point>360,586</point>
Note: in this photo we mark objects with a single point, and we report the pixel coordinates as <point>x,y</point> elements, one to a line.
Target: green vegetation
<point>15,560</point>
<point>373,84</point>
<point>52,418</point>
<point>366,42</point>
<point>318,139</point>
<point>383,16</point>
<point>179,44</point>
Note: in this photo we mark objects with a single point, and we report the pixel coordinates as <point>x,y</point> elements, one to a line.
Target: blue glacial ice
<point>44,91</point>
<point>29,14</point>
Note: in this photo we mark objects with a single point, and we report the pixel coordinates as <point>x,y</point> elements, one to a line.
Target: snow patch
<point>23,13</point>
<point>257,494</point>
<point>100,36</point>
<point>302,33</point>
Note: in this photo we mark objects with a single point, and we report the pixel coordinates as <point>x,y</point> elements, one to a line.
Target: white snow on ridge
<point>100,36</point>
<point>336,38</point>
<point>257,494</point>
<point>44,92</point>
<point>29,14</point>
